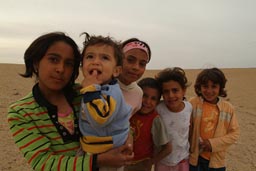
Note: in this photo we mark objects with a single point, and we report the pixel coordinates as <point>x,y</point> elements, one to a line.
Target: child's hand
<point>115,157</point>
<point>205,145</point>
<point>91,78</point>
<point>129,143</point>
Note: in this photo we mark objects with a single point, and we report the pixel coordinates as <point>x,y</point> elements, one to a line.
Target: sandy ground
<point>241,88</point>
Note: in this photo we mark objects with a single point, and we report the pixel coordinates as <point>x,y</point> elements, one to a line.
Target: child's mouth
<point>94,71</point>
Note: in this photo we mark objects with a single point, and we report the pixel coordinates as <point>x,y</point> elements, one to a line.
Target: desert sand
<point>241,88</point>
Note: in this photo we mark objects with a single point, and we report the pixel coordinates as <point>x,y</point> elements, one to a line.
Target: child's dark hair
<point>151,83</point>
<point>176,74</point>
<point>212,74</point>
<point>38,48</point>
<point>93,40</point>
<point>137,40</point>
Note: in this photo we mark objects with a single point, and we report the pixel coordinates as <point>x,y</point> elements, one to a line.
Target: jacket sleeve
<point>37,147</point>
<point>223,142</point>
<point>99,108</point>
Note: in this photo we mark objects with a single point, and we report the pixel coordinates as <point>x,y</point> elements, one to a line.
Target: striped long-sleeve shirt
<point>44,142</point>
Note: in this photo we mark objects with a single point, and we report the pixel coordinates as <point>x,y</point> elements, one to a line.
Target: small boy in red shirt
<point>151,142</point>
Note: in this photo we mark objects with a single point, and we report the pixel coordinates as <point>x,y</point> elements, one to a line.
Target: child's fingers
<point>94,73</point>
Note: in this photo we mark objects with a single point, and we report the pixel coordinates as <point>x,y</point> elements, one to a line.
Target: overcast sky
<point>185,33</point>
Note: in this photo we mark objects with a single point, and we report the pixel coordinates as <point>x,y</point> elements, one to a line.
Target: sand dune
<point>241,88</point>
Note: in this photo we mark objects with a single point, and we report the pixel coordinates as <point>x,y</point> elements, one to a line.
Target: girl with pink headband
<point>137,45</point>
<point>137,54</point>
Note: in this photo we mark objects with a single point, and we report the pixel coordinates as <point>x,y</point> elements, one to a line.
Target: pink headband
<point>136,45</point>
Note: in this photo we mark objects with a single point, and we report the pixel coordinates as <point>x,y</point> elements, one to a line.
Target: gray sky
<point>184,33</point>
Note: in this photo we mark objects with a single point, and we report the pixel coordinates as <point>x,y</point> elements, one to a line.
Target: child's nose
<point>171,94</point>
<point>60,67</point>
<point>96,61</point>
<point>147,100</point>
<point>136,65</point>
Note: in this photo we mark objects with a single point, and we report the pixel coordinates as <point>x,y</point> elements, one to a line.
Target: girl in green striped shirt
<point>44,123</point>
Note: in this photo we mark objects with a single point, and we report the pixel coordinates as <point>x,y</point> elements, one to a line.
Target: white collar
<point>127,87</point>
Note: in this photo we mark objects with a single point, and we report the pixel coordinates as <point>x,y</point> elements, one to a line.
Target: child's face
<point>134,65</point>
<point>100,59</point>
<point>150,100</point>
<point>56,67</point>
<point>173,95</point>
<point>210,92</point>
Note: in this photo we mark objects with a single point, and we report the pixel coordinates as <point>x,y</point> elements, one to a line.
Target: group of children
<point>199,129</point>
<point>174,133</point>
<point>170,133</point>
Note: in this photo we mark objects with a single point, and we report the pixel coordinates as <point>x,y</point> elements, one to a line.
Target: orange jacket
<point>226,133</point>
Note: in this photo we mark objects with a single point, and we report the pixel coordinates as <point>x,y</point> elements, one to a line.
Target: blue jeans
<point>203,165</point>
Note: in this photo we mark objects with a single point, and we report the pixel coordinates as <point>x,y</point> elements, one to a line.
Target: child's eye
<point>53,59</point>
<point>204,86</point>
<point>145,95</point>
<point>154,98</point>
<point>215,86</point>
<point>88,56</point>
<point>105,57</point>
<point>165,91</point>
<point>143,64</point>
<point>131,60</point>
<point>175,90</point>
<point>70,63</point>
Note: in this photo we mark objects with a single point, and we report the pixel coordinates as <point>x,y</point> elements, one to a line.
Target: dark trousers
<point>203,165</point>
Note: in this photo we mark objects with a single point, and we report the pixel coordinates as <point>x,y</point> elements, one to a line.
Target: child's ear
<point>35,66</point>
<point>117,71</point>
<point>184,91</point>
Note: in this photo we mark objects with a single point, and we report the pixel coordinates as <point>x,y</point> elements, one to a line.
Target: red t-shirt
<point>143,142</point>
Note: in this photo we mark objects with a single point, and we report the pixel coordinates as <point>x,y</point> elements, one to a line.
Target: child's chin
<point>144,112</point>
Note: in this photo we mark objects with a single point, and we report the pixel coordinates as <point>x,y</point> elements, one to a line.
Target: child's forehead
<point>100,48</point>
<point>210,81</point>
<point>100,44</point>
<point>171,82</point>
<point>150,88</point>
<point>153,91</point>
